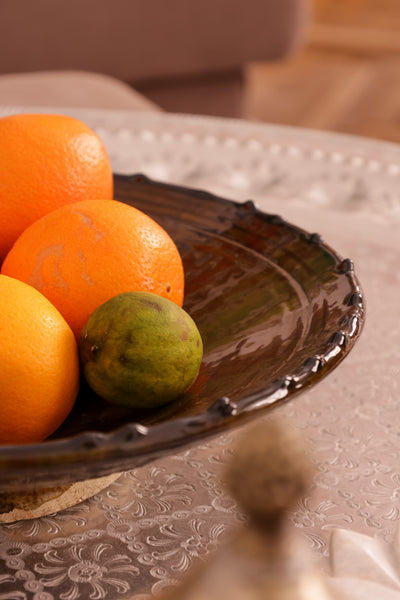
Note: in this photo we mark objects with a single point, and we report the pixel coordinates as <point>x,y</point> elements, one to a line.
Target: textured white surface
<point>364,567</point>
<point>153,523</point>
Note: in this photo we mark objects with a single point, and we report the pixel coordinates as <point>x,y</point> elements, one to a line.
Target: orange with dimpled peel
<point>84,253</point>
<point>39,365</point>
<point>47,161</point>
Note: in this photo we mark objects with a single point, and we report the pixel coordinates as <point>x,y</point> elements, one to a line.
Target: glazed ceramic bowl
<point>277,309</point>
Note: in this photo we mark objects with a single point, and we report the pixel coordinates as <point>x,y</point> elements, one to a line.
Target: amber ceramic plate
<point>277,308</point>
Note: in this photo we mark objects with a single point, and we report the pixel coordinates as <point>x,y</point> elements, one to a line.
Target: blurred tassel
<point>265,560</point>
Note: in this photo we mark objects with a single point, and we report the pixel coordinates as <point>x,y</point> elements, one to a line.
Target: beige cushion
<point>182,55</point>
<point>70,88</point>
<point>137,40</point>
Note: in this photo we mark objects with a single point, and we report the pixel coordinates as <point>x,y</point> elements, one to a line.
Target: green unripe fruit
<point>140,350</point>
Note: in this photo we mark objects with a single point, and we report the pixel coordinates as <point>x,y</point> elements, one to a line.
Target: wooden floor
<point>346,78</point>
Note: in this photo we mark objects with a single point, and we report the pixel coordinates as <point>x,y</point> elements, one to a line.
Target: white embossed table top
<point>153,523</point>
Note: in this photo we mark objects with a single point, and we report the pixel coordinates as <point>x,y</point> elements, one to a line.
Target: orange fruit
<point>39,365</point>
<point>46,161</point>
<point>83,254</point>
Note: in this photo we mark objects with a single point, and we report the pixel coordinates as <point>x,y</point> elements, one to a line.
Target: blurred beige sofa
<point>180,55</point>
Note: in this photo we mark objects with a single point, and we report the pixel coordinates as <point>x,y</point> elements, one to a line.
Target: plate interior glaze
<point>277,310</point>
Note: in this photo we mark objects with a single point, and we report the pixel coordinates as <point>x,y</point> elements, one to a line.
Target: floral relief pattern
<point>52,524</point>
<point>160,488</point>
<point>86,570</point>
<point>154,523</point>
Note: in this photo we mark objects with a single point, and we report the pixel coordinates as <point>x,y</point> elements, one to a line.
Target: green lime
<point>141,350</point>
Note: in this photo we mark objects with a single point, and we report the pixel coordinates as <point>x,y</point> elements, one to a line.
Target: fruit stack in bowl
<point>89,286</point>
